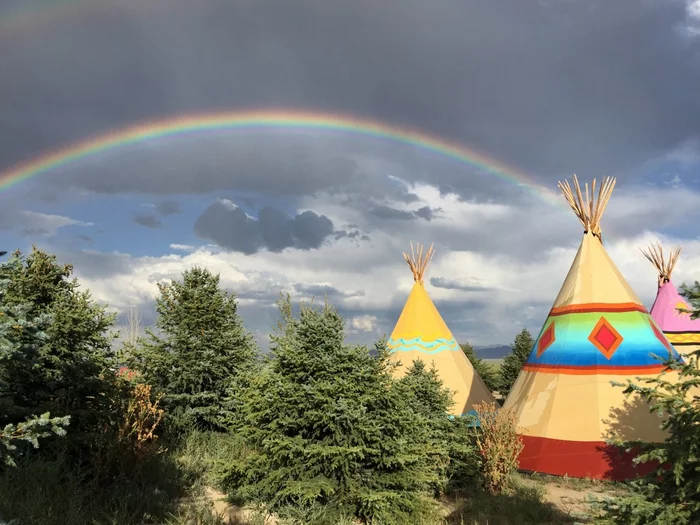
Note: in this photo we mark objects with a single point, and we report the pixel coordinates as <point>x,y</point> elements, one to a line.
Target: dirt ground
<point>231,513</point>
<point>571,497</point>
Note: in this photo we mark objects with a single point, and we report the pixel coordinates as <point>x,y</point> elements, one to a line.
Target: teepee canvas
<point>421,334</point>
<point>670,310</point>
<point>597,332</point>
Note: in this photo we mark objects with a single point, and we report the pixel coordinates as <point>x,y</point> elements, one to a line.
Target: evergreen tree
<point>20,339</point>
<point>670,494</point>
<point>451,450</point>
<point>333,435</point>
<point>487,372</point>
<point>68,370</point>
<point>513,362</point>
<point>201,350</point>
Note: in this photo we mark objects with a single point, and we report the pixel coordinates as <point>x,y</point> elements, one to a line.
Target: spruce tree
<point>201,349</point>
<point>452,450</point>
<point>487,372</point>
<point>21,336</point>
<point>333,435</point>
<point>671,492</point>
<point>513,362</point>
<point>69,369</point>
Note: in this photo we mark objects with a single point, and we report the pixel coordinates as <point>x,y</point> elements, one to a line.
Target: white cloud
<point>364,323</point>
<point>373,278</point>
<point>182,247</point>
<point>691,27</point>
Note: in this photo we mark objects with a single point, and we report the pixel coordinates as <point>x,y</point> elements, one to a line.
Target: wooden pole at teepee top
<point>418,261</point>
<point>665,267</point>
<point>589,211</point>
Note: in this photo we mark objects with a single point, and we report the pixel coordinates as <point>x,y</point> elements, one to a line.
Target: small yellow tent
<point>421,334</point>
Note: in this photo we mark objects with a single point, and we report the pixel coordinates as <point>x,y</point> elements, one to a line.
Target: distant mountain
<point>492,351</point>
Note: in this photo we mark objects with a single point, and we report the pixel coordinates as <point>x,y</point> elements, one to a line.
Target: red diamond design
<point>546,340</point>
<point>605,338</point>
<point>660,336</point>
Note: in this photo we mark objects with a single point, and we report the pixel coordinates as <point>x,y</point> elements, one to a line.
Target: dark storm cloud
<point>94,264</point>
<point>230,227</point>
<point>451,284</point>
<point>388,213</point>
<point>351,232</point>
<point>592,86</point>
<point>427,213</point>
<point>324,290</point>
<point>147,220</point>
<point>168,208</point>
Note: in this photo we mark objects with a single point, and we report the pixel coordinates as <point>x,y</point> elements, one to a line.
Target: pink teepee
<point>670,310</point>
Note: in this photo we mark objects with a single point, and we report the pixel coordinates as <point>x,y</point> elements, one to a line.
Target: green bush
<point>64,365</point>
<point>498,443</point>
<point>200,351</point>
<point>332,434</point>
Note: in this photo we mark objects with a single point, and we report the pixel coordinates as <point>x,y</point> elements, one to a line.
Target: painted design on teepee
<point>421,333</point>
<point>597,332</point>
<point>546,339</point>
<point>670,310</point>
<point>427,347</point>
<point>605,338</point>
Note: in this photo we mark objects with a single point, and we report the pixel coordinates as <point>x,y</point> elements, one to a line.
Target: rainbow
<point>275,119</point>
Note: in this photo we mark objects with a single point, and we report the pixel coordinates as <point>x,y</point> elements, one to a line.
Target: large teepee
<point>421,334</point>
<point>670,310</point>
<point>597,332</point>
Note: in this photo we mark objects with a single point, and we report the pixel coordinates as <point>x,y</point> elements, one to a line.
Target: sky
<point>544,89</point>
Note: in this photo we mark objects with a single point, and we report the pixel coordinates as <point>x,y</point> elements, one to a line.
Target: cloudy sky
<point>548,87</point>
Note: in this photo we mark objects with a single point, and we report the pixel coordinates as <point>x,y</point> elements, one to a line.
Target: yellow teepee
<point>421,334</point>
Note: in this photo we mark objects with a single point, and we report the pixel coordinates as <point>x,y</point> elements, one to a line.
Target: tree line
<point>318,431</point>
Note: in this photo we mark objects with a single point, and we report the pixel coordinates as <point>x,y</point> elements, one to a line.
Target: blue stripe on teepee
<point>425,347</point>
<point>572,347</point>
<point>471,414</point>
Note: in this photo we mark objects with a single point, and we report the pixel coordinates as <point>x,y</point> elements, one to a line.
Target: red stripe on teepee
<point>579,459</point>
<point>597,307</point>
<point>595,369</point>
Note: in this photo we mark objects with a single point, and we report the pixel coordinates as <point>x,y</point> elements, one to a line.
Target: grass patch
<point>166,488</point>
<point>521,505</point>
<point>495,363</point>
<point>54,491</point>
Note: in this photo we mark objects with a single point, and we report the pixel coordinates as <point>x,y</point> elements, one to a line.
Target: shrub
<point>499,446</point>
<point>141,418</point>
<point>332,434</point>
<point>452,451</point>
<point>203,348</point>
<point>22,335</point>
<point>60,360</point>
<point>30,432</point>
